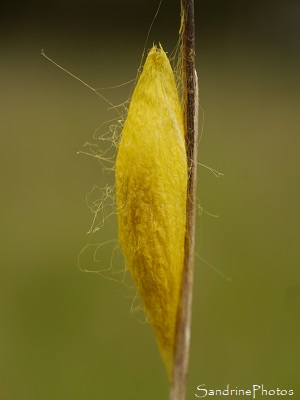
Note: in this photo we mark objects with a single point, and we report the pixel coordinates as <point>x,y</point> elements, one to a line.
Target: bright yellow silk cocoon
<point>151,185</point>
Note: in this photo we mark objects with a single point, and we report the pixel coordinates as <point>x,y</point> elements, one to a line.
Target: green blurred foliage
<point>66,334</point>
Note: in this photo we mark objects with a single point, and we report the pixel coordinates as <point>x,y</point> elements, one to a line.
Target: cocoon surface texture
<point>151,185</point>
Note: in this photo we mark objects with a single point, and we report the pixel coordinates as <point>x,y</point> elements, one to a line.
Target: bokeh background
<point>66,334</point>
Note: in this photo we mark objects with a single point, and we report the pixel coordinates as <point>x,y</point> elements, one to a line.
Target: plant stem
<point>190,110</point>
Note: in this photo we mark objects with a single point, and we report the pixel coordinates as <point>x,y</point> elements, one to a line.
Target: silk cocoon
<point>151,185</point>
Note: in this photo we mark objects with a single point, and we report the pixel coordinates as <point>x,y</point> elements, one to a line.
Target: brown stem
<point>190,110</point>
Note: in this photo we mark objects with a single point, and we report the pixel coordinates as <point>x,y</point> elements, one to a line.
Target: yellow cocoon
<point>151,185</point>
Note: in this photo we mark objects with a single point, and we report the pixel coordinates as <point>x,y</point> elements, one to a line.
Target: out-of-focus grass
<point>69,335</point>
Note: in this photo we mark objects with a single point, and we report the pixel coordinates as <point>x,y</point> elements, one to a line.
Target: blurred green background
<point>65,334</point>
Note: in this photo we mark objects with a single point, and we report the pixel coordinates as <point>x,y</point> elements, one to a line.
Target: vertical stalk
<point>190,111</point>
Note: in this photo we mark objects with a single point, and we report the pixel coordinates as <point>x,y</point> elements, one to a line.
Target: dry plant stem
<point>190,104</point>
